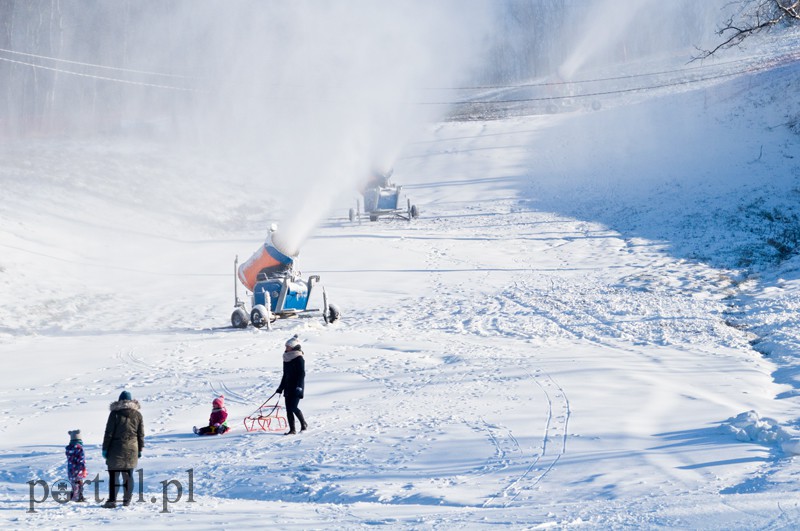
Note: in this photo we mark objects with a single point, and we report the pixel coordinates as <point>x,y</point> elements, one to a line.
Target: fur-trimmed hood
<point>124,404</point>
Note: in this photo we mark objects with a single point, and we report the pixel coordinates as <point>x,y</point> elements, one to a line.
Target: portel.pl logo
<point>60,491</point>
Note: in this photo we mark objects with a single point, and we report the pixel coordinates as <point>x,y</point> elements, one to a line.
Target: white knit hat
<point>293,342</point>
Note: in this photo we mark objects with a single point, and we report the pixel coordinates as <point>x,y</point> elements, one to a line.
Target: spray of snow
<point>609,21</point>
<point>321,93</point>
<point>301,99</point>
<point>614,32</point>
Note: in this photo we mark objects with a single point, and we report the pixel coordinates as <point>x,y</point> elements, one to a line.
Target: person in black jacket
<point>293,382</point>
<point>123,442</point>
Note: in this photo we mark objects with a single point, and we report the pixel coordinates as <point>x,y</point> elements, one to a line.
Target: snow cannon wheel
<point>373,217</point>
<point>259,316</point>
<point>333,313</point>
<point>352,215</point>
<point>414,212</point>
<point>239,318</point>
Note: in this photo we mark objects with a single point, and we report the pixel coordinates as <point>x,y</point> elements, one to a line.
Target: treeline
<point>145,63</point>
<point>104,75</point>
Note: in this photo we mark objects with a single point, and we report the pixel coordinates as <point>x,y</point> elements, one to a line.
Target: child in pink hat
<point>218,421</point>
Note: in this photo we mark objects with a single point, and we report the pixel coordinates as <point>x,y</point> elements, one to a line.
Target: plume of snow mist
<point>609,20</point>
<point>325,91</point>
<point>612,31</point>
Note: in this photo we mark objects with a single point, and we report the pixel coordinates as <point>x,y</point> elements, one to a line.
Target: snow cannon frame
<point>277,295</point>
<point>382,198</point>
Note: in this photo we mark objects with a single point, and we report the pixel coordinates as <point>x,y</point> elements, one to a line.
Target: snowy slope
<point>567,337</point>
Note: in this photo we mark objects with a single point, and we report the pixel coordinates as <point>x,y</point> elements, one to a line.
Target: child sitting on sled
<point>76,464</point>
<point>218,421</point>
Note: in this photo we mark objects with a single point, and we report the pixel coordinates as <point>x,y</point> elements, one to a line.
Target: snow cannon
<point>270,259</point>
<point>383,198</point>
<point>276,290</point>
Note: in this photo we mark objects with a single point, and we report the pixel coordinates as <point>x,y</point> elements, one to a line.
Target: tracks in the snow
<point>221,388</point>
<point>523,455</point>
<point>540,461</point>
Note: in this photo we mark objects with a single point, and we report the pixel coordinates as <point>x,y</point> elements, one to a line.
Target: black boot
<point>302,419</point>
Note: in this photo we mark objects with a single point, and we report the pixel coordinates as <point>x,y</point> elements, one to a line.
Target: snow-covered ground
<point>593,324</point>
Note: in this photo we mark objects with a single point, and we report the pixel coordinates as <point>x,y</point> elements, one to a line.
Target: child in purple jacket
<point>218,421</point>
<point>76,464</point>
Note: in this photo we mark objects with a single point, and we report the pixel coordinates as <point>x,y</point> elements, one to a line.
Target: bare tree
<point>755,16</point>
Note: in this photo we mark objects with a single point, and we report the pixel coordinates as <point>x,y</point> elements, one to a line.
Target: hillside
<point>592,324</point>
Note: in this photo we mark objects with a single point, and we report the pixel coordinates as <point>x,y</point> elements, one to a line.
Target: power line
<point>102,78</point>
<point>584,81</point>
<point>55,59</point>
<point>616,91</point>
<point>784,59</point>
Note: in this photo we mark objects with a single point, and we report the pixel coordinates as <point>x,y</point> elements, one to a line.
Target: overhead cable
<point>102,78</point>
<point>92,65</point>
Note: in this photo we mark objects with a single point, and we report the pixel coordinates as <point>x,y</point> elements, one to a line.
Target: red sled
<point>267,417</point>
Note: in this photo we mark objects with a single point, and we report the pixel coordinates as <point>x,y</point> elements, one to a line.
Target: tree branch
<point>756,16</point>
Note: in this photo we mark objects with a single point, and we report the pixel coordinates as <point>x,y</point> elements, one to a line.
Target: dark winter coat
<point>293,382</point>
<point>76,461</point>
<point>124,437</point>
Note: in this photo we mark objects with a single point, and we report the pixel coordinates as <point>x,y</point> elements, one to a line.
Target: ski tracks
<point>542,460</point>
<point>221,388</point>
<point>171,375</point>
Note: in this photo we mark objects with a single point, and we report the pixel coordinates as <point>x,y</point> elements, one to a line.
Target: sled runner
<point>267,417</point>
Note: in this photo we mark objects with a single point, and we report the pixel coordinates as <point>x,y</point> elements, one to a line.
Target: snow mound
<point>751,427</point>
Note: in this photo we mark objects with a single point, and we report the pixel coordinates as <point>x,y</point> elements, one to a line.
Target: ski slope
<point>565,337</point>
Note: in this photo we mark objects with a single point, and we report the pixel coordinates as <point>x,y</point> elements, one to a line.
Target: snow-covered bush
<point>751,427</point>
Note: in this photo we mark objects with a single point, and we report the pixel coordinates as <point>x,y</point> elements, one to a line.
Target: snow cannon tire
<point>258,316</point>
<point>334,314</point>
<point>352,215</point>
<point>239,318</point>
<point>414,212</point>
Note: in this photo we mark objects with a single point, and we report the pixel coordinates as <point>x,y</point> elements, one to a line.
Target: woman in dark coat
<point>293,383</point>
<point>122,445</point>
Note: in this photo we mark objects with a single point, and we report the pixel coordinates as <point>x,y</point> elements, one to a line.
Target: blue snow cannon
<point>277,291</point>
<point>383,198</point>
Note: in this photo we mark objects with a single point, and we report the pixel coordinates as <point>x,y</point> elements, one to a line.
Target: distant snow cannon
<point>383,198</point>
<point>277,291</point>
